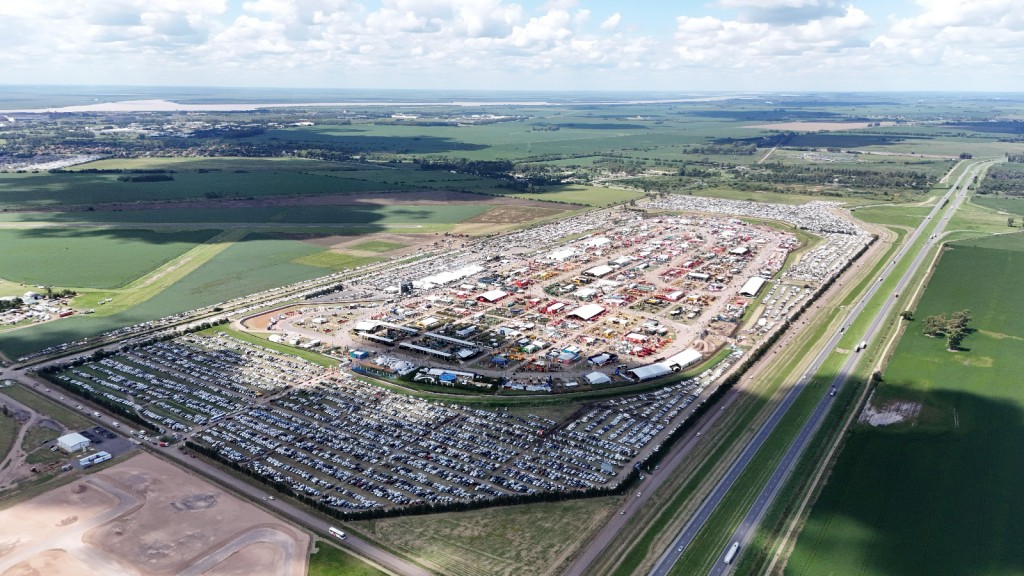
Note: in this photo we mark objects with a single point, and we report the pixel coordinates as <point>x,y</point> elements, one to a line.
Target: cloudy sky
<point>678,45</point>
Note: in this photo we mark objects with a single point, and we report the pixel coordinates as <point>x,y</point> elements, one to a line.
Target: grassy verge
<point>8,431</point>
<point>69,418</point>
<point>329,560</point>
<point>307,355</point>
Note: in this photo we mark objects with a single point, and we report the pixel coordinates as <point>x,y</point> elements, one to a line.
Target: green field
<point>255,264</point>
<point>329,560</point>
<point>1009,205</point>
<point>328,215</point>
<point>377,246</point>
<point>53,190</point>
<point>937,495</point>
<point>88,258</point>
<point>580,194</point>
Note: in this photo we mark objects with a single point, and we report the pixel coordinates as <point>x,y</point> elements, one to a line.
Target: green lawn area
<point>377,246</point>
<point>89,258</point>
<point>329,560</point>
<point>937,495</point>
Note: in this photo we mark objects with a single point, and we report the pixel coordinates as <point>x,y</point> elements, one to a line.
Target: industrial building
<point>73,442</point>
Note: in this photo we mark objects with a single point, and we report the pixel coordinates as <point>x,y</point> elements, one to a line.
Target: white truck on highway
<point>731,554</point>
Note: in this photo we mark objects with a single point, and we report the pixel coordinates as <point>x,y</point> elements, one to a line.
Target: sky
<point>683,46</point>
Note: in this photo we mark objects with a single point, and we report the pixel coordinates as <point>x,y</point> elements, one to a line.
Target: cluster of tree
<point>231,133</point>
<point>491,168</point>
<point>727,148</point>
<point>778,173</point>
<point>1015,158</point>
<point>621,166</point>
<point>110,171</point>
<point>50,294</point>
<point>146,178</point>
<point>11,304</point>
<point>954,328</point>
<point>1006,179</point>
<point>324,291</point>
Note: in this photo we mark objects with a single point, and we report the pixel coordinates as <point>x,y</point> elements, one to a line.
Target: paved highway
<point>792,455</point>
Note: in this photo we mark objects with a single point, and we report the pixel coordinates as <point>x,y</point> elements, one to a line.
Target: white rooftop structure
<point>587,312</point>
<point>493,295</point>
<point>443,278</point>
<point>73,442</point>
<point>561,255</point>
<point>599,241</point>
<point>752,286</point>
<point>602,270</point>
<point>649,372</point>
<point>595,378</point>
<point>683,359</point>
<point>584,293</point>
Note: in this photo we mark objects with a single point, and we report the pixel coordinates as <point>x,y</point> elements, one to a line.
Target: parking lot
<point>355,446</point>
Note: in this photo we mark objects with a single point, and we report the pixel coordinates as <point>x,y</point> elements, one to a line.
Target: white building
<point>73,442</point>
<point>752,287</point>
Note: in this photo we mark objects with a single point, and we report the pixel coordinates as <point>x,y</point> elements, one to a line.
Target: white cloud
<point>612,22</point>
<point>514,43</point>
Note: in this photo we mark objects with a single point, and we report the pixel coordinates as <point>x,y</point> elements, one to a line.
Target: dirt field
<point>145,517</point>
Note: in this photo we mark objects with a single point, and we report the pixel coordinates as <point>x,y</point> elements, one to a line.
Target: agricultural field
<point>257,263</point>
<point>1014,206</point>
<point>339,216</point>
<point>377,246</point>
<point>933,490</point>
<point>89,258</point>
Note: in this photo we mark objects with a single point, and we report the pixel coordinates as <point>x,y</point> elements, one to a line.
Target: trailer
<point>336,533</point>
<point>731,554</point>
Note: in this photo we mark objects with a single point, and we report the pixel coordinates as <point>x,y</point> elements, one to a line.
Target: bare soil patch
<point>150,518</point>
<point>889,413</point>
<point>514,214</point>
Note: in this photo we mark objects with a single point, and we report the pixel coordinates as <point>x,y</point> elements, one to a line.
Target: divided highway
<point>767,495</point>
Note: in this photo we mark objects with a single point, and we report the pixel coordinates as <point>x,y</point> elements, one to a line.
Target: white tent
<point>595,378</point>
